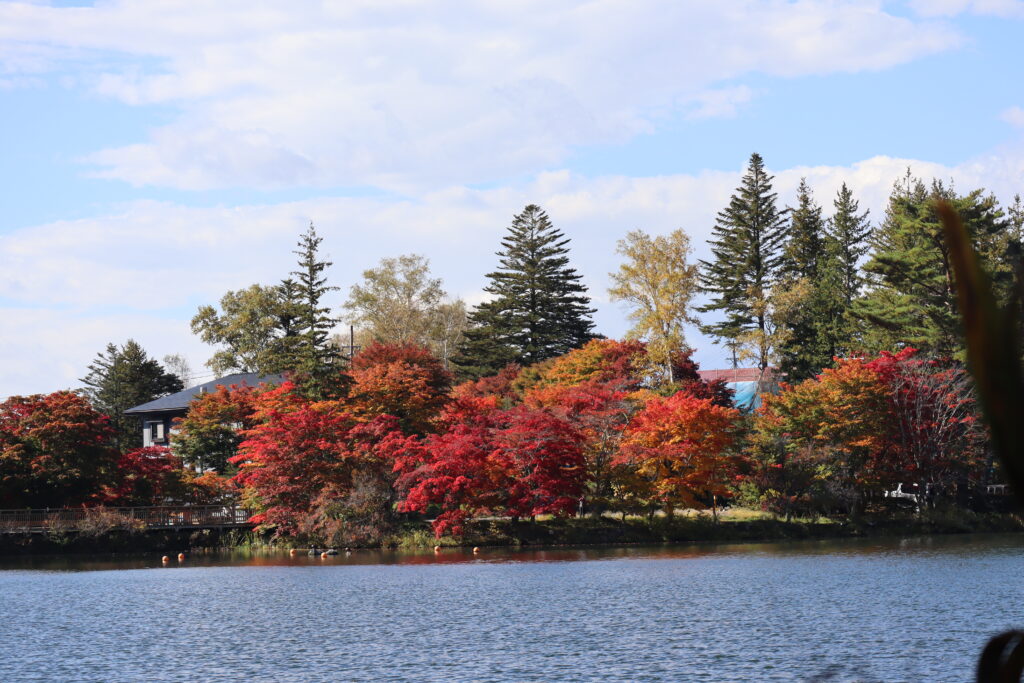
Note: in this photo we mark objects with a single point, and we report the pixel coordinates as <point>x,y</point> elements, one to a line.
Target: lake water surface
<point>894,610</point>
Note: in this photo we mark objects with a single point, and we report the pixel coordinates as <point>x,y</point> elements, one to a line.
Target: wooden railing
<point>135,518</point>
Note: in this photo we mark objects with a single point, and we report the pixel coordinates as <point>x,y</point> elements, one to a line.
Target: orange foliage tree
<point>681,449</point>
<point>403,380</point>
<point>209,434</point>
<point>821,445</point>
<point>599,360</point>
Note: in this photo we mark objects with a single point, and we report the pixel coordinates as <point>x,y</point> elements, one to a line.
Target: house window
<point>156,432</point>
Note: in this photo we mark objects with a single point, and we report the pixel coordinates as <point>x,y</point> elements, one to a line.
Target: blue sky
<point>158,153</point>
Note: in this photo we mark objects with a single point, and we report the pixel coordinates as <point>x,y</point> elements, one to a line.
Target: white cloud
<point>720,103</point>
<point>70,287</point>
<point>406,94</point>
<point>1013,116</point>
<point>1013,9</point>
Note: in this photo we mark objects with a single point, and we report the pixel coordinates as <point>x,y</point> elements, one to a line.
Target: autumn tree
<point>301,463</point>
<point>146,476</point>
<point>935,429</point>
<point>658,283</point>
<point>403,380</point>
<point>746,247</point>
<point>681,446</point>
<point>210,433</point>
<point>538,307</point>
<point>599,412</point>
<point>54,451</point>
<point>821,445</point>
<point>619,363</point>
<point>501,386</point>
<point>399,302</point>
<point>519,462</point>
<point>123,377</point>
<point>689,382</point>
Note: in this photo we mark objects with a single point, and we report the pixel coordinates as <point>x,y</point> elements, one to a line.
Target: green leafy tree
<point>123,377</point>
<point>256,327</point>
<point>746,245</point>
<point>539,308</point>
<point>910,298</point>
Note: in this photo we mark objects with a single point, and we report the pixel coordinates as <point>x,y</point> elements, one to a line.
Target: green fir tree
<point>910,299</point>
<point>538,307</point>
<point>805,346</point>
<point>746,244</point>
<point>847,242</point>
<point>121,378</point>
<point>316,358</point>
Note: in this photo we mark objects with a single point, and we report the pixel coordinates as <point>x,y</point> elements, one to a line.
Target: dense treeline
<point>517,408</point>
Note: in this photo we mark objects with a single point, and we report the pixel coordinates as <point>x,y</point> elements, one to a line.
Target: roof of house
<point>181,400</point>
<point>738,375</point>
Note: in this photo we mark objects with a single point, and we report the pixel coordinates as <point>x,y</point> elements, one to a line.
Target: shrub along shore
<point>737,525</point>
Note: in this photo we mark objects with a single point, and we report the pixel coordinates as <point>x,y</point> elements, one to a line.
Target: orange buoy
<point>293,552</point>
<point>165,559</point>
<point>323,556</point>
<point>181,557</point>
<point>475,549</point>
<point>437,548</point>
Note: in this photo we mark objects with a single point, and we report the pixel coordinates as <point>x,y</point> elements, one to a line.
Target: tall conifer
<point>746,243</point>
<point>316,357</point>
<point>848,234</point>
<point>806,347</point>
<point>538,307</point>
<point>123,377</point>
<point>910,298</point>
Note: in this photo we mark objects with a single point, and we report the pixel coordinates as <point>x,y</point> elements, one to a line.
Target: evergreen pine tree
<point>848,232</point>
<point>746,243</point>
<point>851,231</point>
<point>316,357</point>
<point>910,298</point>
<point>539,308</point>
<point>121,378</point>
<point>806,347</point>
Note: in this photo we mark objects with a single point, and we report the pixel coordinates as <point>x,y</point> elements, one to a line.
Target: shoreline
<point>566,532</point>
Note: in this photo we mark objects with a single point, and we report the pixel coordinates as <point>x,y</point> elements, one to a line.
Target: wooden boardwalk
<point>70,520</point>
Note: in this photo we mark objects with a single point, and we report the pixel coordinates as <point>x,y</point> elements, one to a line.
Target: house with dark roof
<point>747,383</point>
<point>158,416</point>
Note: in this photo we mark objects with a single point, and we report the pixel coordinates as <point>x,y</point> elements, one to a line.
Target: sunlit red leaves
<point>55,450</point>
<point>519,462</point>
<point>303,451</point>
<point>146,476</point>
<point>405,381</point>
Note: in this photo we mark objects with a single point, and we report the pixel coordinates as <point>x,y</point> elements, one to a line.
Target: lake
<point>894,610</point>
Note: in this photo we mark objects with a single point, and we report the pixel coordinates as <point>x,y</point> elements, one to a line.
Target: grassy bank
<point>165,541</point>
<point>735,525</point>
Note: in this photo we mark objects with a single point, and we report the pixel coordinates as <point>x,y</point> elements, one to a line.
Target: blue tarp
<point>747,396</point>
